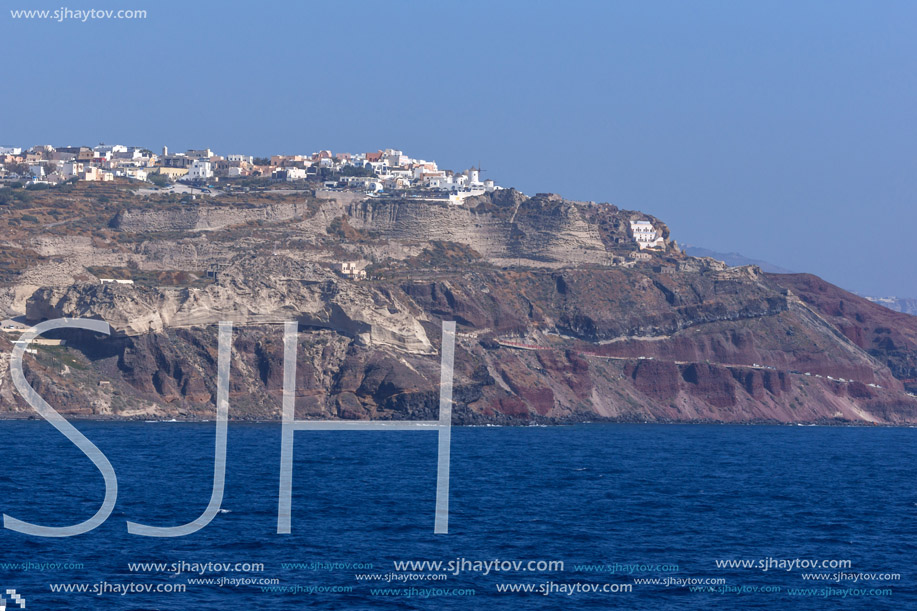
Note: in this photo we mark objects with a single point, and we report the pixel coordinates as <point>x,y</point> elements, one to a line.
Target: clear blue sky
<point>784,131</point>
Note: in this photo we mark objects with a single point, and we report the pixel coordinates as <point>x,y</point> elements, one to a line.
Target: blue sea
<point>585,517</point>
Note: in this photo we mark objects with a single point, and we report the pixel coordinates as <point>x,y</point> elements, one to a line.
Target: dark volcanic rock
<point>656,379</point>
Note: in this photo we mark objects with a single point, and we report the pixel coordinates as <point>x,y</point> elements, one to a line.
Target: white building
<point>295,174</point>
<point>92,173</point>
<point>201,169</point>
<point>353,270</point>
<point>438,182</point>
<point>396,158</point>
<point>646,235</point>
<point>199,153</point>
<point>107,150</point>
<point>71,169</point>
<point>458,197</point>
<point>238,158</point>
<point>134,154</point>
<point>474,177</point>
<point>378,167</point>
<point>135,173</point>
<point>10,150</point>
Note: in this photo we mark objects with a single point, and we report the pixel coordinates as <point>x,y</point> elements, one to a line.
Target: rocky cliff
<point>557,321</point>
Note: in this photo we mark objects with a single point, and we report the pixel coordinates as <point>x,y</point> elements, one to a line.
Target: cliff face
<point>889,337</point>
<point>506,228</point>
<point>305,293</point>
<point>545,231</point>
<point>556,321</point>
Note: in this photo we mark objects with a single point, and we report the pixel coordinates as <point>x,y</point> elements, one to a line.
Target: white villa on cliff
<point>646,235</point>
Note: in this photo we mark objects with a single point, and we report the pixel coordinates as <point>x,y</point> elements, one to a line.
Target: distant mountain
<point>905,305</point>
<point>734,259</point>
<point>898,304</point>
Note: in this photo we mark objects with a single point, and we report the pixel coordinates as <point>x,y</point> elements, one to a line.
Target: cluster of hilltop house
<point>372,173</point>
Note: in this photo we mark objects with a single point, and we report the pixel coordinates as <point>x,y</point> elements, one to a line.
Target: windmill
<point>475,172</point>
